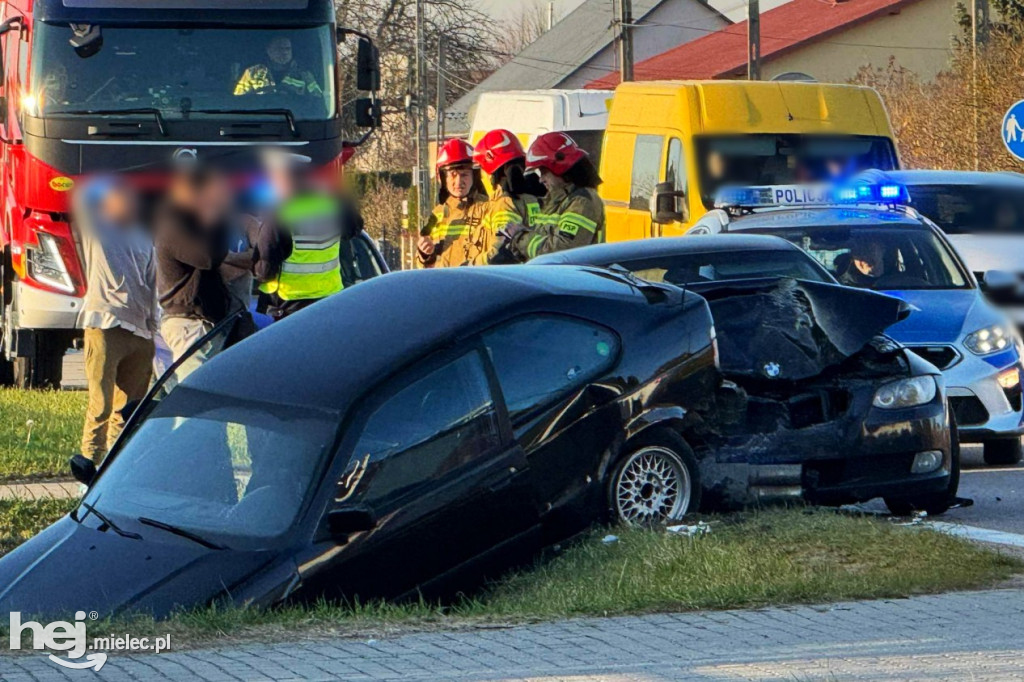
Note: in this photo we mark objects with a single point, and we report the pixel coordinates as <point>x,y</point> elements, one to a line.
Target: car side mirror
<point>996,280</point>
<point>83,469</point>
<point>344,522</point>
<point>666,206</point>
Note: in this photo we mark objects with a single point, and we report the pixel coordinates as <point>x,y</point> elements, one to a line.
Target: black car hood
<point>787,329</point>
<point>71,567</point>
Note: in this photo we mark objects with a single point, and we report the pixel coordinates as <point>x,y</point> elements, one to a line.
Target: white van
<point>582,114</point>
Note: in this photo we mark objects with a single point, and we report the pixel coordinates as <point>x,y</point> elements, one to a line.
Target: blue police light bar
<point>765,196</point>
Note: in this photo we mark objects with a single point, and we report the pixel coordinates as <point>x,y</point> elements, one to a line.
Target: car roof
<point>664,246</point>
<point>331,352</point>
<point>955,177</point>
<point>852,216</point>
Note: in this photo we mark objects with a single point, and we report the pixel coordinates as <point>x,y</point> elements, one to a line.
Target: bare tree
<point>469,44</point>
<point>522,28</point>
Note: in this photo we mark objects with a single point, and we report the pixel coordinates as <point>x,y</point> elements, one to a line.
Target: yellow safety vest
<point>313,270</point>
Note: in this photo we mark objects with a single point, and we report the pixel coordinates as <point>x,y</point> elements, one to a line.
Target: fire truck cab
<point>99,86</point>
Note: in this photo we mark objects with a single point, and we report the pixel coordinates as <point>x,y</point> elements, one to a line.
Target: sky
<point>504,8</point>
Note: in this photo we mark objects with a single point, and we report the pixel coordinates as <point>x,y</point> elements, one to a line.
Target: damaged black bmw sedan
<point>815,403</point>
<point>392,439</point>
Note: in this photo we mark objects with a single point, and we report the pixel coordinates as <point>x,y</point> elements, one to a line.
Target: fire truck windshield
<point>185,72</point>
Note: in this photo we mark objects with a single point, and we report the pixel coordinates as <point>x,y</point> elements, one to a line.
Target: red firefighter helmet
<point>557,152</point>
<point>454,152</point>
<point>497,148</point>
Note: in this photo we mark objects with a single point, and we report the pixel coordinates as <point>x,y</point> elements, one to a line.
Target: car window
<point>646,166</point>
<point>436,422</point>
<point>542,357</point>
<point>694,268</point>
<point>358,263</point>
<point>675,170</point>
<point>881,258</point>
<point>971,209</point>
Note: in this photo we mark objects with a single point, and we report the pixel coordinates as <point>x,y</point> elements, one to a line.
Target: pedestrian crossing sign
<point>1013,130</point>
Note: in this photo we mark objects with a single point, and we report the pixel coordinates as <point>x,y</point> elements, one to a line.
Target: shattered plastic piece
<point>696,530</point>
<point>917,519</point>
<point>610,539</point>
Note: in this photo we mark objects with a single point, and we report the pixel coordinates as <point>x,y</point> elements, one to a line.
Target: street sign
<point>1012,131</point>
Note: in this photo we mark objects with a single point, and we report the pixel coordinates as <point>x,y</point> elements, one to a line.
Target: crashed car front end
<point>816,404</point>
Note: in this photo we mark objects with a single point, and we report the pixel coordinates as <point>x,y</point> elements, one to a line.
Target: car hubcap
<point>654,486</point>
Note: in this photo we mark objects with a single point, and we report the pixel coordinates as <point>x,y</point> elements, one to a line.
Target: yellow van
<point>669,146</point>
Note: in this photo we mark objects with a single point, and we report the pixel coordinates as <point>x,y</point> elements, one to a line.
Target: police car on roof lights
<point>867,237</point>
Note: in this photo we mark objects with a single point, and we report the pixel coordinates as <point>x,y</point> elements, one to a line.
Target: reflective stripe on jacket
<point>313,269</point>
<point>259,79</point>
<point>571,217</point>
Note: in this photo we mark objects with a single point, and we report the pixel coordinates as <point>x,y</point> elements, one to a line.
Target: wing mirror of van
<point>668,205</point>
<point>998,280</point>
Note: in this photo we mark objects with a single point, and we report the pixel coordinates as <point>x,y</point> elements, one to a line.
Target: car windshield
<point>786,159</point>
<point>185,70</point>
<point>880,257</point>
<point>971,209</point>
<point>216,467</point>
<point>717,266</point>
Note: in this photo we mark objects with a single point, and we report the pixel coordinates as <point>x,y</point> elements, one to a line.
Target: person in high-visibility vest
<point>572,213</point>
<point>461,203</point>
<point>513,201</point>
<point>298,250</point>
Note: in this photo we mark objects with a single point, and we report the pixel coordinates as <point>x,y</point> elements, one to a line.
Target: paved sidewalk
<point>970,636</point>
<point>47,490</point>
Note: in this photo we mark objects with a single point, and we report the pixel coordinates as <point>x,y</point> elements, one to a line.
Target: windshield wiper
<point>288,114</point>
<point>160,123</point>
<point>181,532</point>
<point>110,524</point>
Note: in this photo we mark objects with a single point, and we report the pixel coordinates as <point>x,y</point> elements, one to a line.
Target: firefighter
<point>461,203</point>
<point>298,249</point>
<point>572,213</point>
<point>280,74</point>
<point>513,203</point>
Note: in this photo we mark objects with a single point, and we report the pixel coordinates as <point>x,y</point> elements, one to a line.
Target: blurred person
<point>866,264</point>
<point>572,213</point>
<point>279,74</point>
<point>298,249</point>
<point>119,312</point>
<point>460,209</point>
<point>192,236</point>
<point>513,201</point>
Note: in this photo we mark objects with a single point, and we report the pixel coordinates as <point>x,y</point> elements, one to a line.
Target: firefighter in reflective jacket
<point>572,213</point>
<point>281,74</point>
<point>513,203</point>
<point>462,201</point>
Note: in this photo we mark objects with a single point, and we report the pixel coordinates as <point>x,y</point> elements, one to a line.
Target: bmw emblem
<point>772,370</point>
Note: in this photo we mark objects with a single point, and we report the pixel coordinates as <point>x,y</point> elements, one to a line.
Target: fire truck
<point>101,86</point>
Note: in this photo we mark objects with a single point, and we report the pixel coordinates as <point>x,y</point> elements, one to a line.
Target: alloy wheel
<point>653,486</point>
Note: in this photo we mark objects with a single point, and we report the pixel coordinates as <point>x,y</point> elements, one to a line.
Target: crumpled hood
<point>942,315</point>
<point>790,329</point>
<point>70,567</point>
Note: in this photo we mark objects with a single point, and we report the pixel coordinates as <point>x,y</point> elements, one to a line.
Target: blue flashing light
<point>846,194</point>
<point>810,195</point>
<point>889,191</point>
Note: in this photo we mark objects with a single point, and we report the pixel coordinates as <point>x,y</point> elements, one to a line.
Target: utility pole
<point>979,36</point>
<point>420,96</point>
<point>625,40</point>
<point>441,92</point>
<point>551,15</point>
<point>753,40</point>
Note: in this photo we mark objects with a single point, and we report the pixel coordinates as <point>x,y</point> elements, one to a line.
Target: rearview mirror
<point>367,66</point>
<point>668,204</point>
<point>83,469</point>
<point>994,280</point>
<point>87,39</point>
<point>344,522</point>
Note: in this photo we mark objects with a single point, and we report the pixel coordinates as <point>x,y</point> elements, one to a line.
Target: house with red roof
<point>828,40</point>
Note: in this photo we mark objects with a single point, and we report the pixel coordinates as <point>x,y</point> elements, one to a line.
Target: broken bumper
<point>836,462</point>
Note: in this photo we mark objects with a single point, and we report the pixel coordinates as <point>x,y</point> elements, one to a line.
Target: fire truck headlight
<point>47,266</point>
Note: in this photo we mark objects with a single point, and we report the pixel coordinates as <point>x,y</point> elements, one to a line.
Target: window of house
<point>646,168</point>
<point>544,357</point>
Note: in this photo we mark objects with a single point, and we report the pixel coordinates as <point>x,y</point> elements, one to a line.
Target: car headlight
<point>991,339</point>
<point>905,393</point>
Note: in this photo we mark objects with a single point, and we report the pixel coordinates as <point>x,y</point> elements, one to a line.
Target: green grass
<point>39,431</point>
<point>21,519</point>
<point>749,560</point>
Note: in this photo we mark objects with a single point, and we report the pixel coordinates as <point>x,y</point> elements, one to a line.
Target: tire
<point>1004,451</point>
<point>46,369</point>
<point>6,366</point>
<point>936,503</point>
<point>656,482</point>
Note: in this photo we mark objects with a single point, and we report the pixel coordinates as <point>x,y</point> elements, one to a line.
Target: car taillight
<point>46,264</point>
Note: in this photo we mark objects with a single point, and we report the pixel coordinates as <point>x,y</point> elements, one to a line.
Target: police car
<point>867,237</point>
